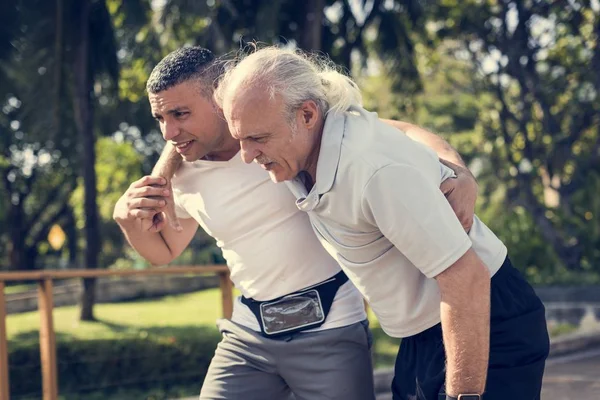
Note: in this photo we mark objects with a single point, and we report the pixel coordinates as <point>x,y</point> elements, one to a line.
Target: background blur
<point>513,85</point>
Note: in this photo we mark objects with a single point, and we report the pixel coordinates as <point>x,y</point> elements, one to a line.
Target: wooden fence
<point>45,304</point>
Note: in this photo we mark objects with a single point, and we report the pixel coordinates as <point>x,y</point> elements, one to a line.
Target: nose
<point>169,130</point>
<point>249,152</point>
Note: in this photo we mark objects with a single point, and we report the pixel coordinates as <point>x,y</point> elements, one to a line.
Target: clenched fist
<point>143,205</point>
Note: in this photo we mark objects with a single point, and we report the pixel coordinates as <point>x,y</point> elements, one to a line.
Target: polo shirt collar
<point>329,154</point>
<point>327,164</point>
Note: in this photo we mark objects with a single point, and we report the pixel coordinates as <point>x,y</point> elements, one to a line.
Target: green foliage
<point>117,166</point>
<point>522,109</point>
<point>134,349</point>
<point>539,64</point>
<point>106,365</point>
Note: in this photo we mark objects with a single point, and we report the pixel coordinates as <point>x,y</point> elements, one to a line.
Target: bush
<point>152,364</point>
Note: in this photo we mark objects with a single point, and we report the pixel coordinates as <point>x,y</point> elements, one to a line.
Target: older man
<point>299,328</point>
<point>471,323</point>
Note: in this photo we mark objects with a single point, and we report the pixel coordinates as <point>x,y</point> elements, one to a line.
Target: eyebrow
<point>172,111</point>
<point>255,135</point>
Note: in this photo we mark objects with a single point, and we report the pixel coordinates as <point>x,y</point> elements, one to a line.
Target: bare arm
<point>140,214</point>
<point>166,166</point>
<point>431,140</point>
<point>465,312</point>
<point>460,192</point>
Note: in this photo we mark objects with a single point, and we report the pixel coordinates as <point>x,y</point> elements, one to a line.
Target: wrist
<point>470,396</point>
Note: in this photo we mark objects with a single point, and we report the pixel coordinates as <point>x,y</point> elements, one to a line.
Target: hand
<point>461,193</point>
<point>142,206</point>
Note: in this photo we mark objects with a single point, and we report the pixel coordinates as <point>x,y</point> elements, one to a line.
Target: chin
<point>274,177</point>
<point>280,177</point>
<point>190,156</point>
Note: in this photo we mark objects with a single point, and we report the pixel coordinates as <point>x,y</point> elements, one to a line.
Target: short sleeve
<point>410,210</point>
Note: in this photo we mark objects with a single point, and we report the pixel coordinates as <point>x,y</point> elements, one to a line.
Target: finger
<point>149,191</point>
<point>448,186</point>
<point>147,203</point>
<point>149,180</point>
<point>142,213</point>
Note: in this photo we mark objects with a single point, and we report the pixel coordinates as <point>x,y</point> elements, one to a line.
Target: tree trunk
<point>311,36</point>
<point>71,233</point>
<point>58,60</point>
<point>84,119</point>
<point>16,251</point>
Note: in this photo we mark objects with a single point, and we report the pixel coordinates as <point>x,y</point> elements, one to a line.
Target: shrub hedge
<point>99,368</point>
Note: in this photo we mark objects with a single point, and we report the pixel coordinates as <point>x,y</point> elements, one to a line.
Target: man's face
<point>189,120</point>
<point>267,136</point>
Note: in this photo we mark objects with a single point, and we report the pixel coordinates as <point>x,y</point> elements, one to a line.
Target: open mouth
<point>268,166</point>
<point>183,146</point>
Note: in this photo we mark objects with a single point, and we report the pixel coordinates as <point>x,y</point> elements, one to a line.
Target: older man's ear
<point>310,114</point>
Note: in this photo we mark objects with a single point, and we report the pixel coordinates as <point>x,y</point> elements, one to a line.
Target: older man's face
<point>267,136</point>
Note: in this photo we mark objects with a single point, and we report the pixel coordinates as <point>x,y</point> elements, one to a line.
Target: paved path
<point>573,377</point>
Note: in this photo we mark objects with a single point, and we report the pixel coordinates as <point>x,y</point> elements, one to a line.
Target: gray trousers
<point>329,364</point>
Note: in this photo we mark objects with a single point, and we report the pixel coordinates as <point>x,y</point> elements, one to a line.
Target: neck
<point>313,157</point>
<point>228,148</point>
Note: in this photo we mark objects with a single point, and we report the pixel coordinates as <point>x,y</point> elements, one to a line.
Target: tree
<point>39,162</point>
<point>95,53</point>
<point>37,177</point>
<point>541,62</point>
<point>335,27</point>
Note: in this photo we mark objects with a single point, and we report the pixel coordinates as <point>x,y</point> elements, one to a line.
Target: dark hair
<point>184,64</point>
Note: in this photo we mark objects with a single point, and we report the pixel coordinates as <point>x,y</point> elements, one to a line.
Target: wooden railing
<point>46,305</point>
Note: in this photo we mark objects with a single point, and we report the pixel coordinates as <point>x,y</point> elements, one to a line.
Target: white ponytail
<point>293,75</point>
<point>340,91</point>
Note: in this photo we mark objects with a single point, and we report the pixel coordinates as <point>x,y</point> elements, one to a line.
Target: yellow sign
<point>56,237</point>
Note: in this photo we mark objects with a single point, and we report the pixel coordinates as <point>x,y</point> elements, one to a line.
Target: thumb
<point>448,186</point>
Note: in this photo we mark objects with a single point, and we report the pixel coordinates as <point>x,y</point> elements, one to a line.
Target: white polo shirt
<point>376,207</point>
<point>268,243</point>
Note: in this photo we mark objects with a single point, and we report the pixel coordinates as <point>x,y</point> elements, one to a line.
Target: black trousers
<point>519,346</point>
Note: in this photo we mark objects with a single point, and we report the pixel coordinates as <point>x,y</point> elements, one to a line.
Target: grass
<point>124,319</point>
<point>561,329</point>
<point>167,316</point>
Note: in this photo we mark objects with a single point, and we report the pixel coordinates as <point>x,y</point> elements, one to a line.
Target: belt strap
<point>327,291</point>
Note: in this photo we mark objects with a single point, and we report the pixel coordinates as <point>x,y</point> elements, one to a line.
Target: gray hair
<point>295,76</point>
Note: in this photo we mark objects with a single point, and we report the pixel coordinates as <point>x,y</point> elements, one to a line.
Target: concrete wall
<point>114,290</point>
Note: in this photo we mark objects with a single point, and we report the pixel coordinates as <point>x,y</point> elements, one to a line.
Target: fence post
<point>4,388</point>
<point>226,293</point>
<point>47,340</point>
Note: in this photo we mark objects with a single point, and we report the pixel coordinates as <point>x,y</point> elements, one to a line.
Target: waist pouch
<point>295,312</point>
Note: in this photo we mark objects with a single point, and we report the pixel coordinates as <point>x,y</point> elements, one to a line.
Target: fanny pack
<point>305,309</point>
